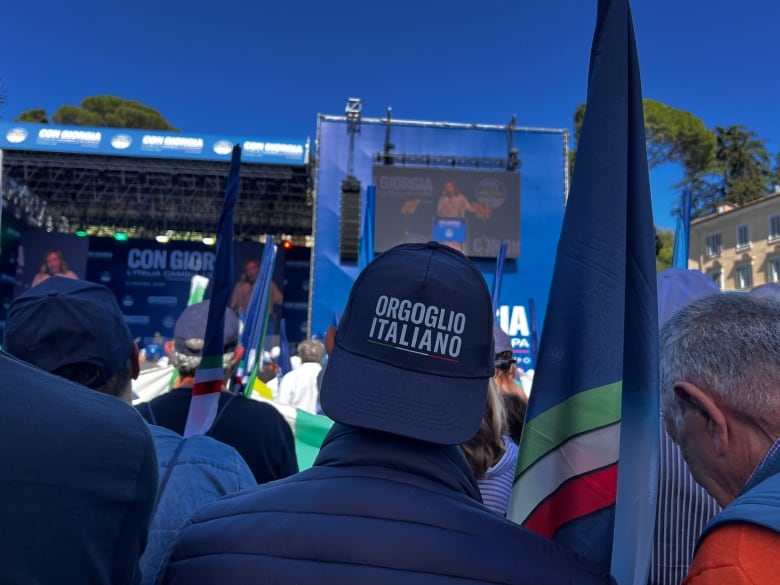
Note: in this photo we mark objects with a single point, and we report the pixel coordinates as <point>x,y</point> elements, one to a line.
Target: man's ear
<point>716,424</point>
<point>330,340</point>
<point>135,367</point>
<point>239,353</point>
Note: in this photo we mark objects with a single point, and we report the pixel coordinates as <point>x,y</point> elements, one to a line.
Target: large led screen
<point>471,210</point>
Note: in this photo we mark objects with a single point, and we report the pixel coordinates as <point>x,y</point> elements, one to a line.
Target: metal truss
<point>147,197</point>
<point>435,160</point>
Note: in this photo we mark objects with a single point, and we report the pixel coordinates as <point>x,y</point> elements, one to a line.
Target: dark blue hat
<point>501,340</point>
<point>414,349</point>
<point>190,329</point>
<point>65,321</point>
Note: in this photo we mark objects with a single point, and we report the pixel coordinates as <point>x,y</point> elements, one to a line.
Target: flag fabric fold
<point>210,375</point>
<point>587,470</point>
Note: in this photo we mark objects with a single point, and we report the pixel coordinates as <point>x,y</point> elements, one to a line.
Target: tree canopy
<point>104,111</point>
<point>36,116</point>
<point>672,136</point>
<point>740,171</point>
<point>724,165</point>
<point>664,248</point>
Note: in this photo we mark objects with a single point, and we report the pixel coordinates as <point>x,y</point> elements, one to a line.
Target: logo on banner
<point>252,147</point>
<point>223,147</point>
<point>121,141</point>
<point>16,135</point>
<point>178,265</point>
<point>491,193</point>
<point>79,137</point>
<point>184,143</point>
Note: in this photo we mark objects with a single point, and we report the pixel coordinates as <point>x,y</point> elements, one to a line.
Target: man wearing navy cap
<point>75,329</point>
<point>390,498</point>
<point>255,429</point>
<point>79,468</point>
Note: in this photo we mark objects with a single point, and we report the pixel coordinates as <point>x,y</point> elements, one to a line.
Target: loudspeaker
<point>349,240</point>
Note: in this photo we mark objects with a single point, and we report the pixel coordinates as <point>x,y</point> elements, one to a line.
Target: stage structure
<point>148,183</point>
<point>145,204</point>
<point>471,186</point>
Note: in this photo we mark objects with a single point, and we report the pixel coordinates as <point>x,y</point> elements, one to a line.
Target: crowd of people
<point>411,484</point>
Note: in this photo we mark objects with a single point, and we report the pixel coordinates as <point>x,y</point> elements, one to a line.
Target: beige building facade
<point>739,247</point>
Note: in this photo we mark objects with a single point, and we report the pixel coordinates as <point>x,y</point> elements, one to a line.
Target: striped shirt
<point>497,485</point>
<point>684,508</point>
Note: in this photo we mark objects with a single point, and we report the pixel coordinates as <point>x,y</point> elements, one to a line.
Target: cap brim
<point>422,406</point>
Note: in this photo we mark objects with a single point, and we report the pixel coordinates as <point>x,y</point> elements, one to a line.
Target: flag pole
<point>209,377</point>
<point>496,292</point>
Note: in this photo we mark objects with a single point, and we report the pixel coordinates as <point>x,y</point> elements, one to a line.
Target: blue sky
<point>267,69</point>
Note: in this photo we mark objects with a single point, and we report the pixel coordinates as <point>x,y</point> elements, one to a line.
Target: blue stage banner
<point>150,143</point>
<point>151,281</point>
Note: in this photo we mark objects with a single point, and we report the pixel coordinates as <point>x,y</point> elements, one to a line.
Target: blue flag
<point>284,350</point>
<point>534,328</point>
<point>367,234</point>
<point>256,319</point>
<point>500,260</point>
<point>682,234</point>
<point>588,466</point>
<point>210,374</point>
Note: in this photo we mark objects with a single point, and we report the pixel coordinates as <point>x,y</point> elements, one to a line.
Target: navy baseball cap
<point>413,352</point>
<point>190,329</point>
<point>65,321</point>
<point>502,345</point>
<point>501,340</point>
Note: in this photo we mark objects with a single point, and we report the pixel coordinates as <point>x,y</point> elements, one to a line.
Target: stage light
<point>164,237</point>
<point>120,236</point>
<point>209,241</point>
<point>81,233</point>
<point>287,244</point>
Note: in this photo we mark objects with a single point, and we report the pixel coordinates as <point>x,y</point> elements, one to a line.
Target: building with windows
<point>739,247</point>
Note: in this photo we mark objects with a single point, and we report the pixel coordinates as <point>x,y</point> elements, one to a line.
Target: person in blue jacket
<point>76,330</point>
<point>390,498</point>
<point>79,467</point>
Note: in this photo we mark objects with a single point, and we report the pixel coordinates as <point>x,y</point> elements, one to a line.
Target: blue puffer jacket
<point>375,508</point>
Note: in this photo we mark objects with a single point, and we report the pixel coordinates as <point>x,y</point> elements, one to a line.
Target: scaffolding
<point>145,197</point>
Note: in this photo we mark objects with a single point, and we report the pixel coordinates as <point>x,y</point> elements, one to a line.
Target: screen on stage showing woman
<point>54,264</point>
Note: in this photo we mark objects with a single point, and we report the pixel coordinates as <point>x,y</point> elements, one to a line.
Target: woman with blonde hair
<point>505,376</point>
<point>53,265</point>
<point>492,455</point>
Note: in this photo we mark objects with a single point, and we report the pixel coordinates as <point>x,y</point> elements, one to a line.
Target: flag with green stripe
<point>308,429</point>
<point>587,469</point>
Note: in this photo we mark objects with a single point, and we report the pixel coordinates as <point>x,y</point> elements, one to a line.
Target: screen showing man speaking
<point>472,211</point>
